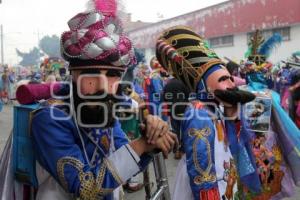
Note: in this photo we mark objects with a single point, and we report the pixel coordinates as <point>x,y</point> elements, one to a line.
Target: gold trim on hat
<point>197,72</point>
<point>195,48</point>
<point>164,34</point>
<point>203,68</point>
<point>183,36</point>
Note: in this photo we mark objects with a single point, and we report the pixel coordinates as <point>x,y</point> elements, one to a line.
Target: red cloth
<point>31,93</point>
<point>238,128</point>
<point>211,194</point>
<point>297,122</point>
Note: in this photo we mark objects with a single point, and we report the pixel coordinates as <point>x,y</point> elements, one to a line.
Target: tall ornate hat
<point>96,39</point>
<point>185,55</point>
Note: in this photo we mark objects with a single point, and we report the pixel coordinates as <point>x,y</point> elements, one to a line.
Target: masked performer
<point>176,96</point>
<point>295,97</point>
<point>128,116</point>
<point>80,147</point>
<point>215,160</point>
<point>153,87</point>
<point>275,137</point>
<point>233,69</point>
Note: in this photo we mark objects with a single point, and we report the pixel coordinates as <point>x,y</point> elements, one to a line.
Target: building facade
<point>229,25</point>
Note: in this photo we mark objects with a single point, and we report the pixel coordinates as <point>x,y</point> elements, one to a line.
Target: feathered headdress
<point>268,46</point>
<point>259,49</point>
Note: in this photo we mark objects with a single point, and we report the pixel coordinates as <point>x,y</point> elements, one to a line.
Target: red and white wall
<point>234,17</point>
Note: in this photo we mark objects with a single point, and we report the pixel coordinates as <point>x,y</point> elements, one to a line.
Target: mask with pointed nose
<point>219,82</point>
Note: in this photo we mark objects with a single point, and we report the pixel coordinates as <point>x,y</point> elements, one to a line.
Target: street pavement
<point>6,123</point>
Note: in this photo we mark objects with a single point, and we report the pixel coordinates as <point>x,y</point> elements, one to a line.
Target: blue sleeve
<point>198,138</point>
<point>138,89</point>
<point>155,96</point>
<point>57,151</point>
<point>157,85</point>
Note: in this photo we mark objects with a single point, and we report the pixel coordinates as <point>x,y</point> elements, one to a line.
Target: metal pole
<point>147,183</point>
<point>163,190</point>
<point>2,45</point>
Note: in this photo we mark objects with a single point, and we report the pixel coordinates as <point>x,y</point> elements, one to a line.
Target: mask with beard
<point>90,115</point>
<point>233,96</point>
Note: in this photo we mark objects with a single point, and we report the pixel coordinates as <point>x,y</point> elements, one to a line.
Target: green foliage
<point>50,45</point>
<point>31,58</point>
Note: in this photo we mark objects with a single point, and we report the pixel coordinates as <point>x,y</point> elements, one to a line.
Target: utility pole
<point>38,45</point>
<point>2,45</point>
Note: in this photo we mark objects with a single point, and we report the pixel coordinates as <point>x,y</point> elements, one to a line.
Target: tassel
<point>220,131</point>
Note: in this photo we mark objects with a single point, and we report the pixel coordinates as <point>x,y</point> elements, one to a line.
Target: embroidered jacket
<point>90,167</point>
<point>205,166</point>
<point>198,139</point>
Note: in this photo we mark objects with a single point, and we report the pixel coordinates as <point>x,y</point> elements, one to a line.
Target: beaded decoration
<point>97,35</point>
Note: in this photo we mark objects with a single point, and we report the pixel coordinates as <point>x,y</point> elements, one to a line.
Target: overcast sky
<point>25,21</point>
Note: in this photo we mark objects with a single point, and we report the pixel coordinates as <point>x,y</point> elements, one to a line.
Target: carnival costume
<point>218,153</point>
<point>294,106</point>
<point>153,87</point>
<point>287,85</point>
<point>74,161</point>
<point>275,137</point>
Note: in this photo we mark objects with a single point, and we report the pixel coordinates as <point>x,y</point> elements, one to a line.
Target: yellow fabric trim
<point>90,187</point>
<point>183,36</point>
<point>205,175</point>
<point>203,68</point>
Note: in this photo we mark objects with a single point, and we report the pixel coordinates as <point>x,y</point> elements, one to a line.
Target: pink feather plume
<point>106,6</point>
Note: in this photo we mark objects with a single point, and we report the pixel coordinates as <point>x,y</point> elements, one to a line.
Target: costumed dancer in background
<point>176,96</point>
<point>132,98</point>
<point>234,68</point>
<point>128,114</point>
<point>54,69</point>
<point>137,78</point>
<point>141,73</point>
<point>81,150</point>
<point>294,89</point>
<point>218,154</point>
<point>274,136</point>
<point>286,78</point>
<point>5,86</point>
<point>153,87</point>
<point>283,82</point>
